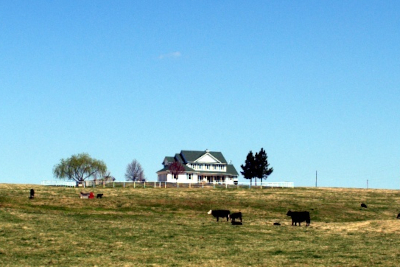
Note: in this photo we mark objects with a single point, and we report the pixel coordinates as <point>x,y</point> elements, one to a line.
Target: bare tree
<point>134,172</point>
<point>176,169</point>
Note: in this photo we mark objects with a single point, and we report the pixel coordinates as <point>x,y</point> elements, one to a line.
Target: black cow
<point>398,216</point>
<point>32,194</point>
<point>99,195</point>
<point>220,213</point>
<point>363,205</point>
<point>236,215</point>
<point>299,216</point>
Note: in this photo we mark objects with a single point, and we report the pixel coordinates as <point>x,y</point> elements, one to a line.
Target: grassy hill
<point>170,227</point>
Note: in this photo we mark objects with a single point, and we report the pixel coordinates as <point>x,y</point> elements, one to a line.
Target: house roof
<point>192,155</point>
<point>179,158</point>
<point>231,169</point>
<point>169,159</point>
<point>187,169</point>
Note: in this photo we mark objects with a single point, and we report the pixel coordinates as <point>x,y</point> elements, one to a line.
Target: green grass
<point>170,227</point>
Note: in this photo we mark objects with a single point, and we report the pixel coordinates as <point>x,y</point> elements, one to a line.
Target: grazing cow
<point>32,194</point>
<point>236,215</point>
<point>236,223</point>
<point>398,216</point>
<point>99,195</point>
<point>363,205</point>
<point>220,213</point>
<point>299,216</point>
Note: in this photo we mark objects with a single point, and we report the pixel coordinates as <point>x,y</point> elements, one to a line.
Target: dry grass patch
<point>170,227</point>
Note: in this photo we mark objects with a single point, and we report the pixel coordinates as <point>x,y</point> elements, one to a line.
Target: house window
<point>207,166</point>
<point>189,176</point>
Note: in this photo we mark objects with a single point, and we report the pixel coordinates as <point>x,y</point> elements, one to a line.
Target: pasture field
<point>171,227</point>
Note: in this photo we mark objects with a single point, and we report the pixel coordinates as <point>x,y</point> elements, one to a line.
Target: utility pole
<point>367,183</point>
<point>316,178</point>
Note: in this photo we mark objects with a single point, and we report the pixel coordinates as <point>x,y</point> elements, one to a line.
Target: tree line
<point>80,167</point>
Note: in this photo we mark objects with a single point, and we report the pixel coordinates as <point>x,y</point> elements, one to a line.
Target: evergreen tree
<point>262,169</point>
<point>248,167</point>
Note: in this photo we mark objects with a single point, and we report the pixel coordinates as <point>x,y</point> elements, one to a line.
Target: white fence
<point>58,183</point>
<point>278,184</point>
<point>201,185</point>
<point>167,184</point>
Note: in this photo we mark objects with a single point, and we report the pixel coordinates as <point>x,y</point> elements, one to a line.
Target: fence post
<point>144,184</point>
<point>134,184</point>
<point>165,186</point>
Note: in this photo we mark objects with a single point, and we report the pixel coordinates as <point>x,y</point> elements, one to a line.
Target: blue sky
<point>315,83</point>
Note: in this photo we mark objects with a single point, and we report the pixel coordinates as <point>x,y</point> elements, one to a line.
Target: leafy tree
<point>249,167</point>
<point>176,169</point>
<point>134,172</point>
<point>79,168</point>
<point>262,169</point>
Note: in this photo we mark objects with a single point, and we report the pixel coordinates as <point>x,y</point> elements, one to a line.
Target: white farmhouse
<point>200,167</point>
